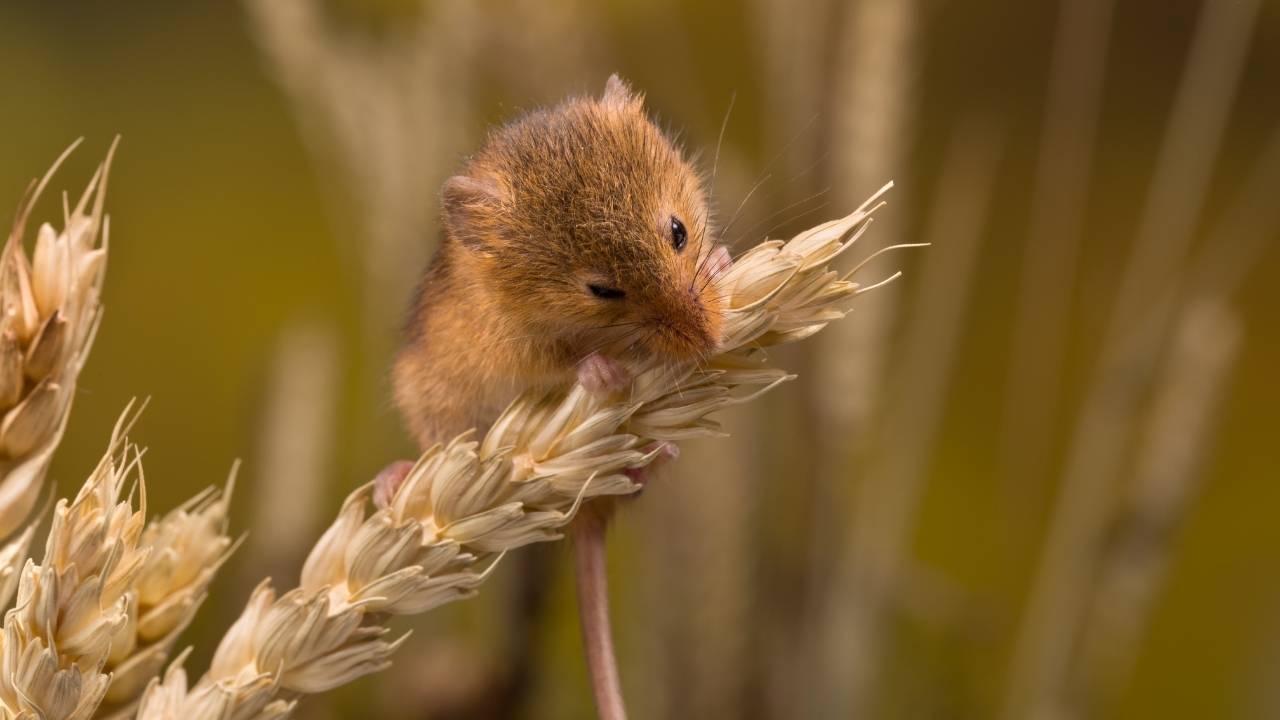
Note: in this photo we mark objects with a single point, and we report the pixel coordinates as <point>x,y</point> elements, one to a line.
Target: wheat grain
<point>13,555</point>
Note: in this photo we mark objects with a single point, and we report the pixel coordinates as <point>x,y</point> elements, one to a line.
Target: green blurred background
<point>870,540</point>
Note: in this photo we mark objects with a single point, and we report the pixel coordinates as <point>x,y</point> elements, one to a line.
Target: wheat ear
<point>72,605</point>
<point>49,310</point>
<point>185,549</point>
<point>465,503</point>
<point>96,618</point>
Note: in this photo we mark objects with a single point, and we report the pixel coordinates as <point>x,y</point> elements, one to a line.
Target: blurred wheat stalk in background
<point>1111,537</point>
<point>1075,558</point>
<point>362,104</point>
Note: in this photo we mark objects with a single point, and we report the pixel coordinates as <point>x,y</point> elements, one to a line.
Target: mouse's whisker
<point>702,262</point>
<point>712,272</point>
<point>738,213</point>
<point>673,378</point>
<point>610,341</point>
<point>808,125</point>
<point>638,333</point>
<point>697,274</point>
<point>780,211</point>
<point>706,281</point>
<point>495,342</point>
<point>633,346</point>
<point>810,167</point>
<point>713,277</point>
<point>680,378</point>
<point>724,124</point>
<point>629,323</point>
<point>802,214</point>
<point>721,297</point>
<point>769,166</point>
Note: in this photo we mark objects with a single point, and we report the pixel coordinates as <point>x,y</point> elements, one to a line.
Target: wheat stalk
<point>466,503</point>
<point>896,478</point>
<point>49,310</point>
<point>1168,471</point>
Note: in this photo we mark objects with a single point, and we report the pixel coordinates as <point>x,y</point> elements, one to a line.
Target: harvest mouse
<point>576,246</point>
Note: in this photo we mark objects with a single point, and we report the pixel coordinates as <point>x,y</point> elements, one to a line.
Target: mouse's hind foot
<point>667,453</point>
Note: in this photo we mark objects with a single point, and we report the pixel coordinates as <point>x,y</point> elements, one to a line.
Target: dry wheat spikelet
<point>186,548</point>
<point>58,637</point>
<point>466,503</point>
<point>49,311</point>
<point>13,555</point>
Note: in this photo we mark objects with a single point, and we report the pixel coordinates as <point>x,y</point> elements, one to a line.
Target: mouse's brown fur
<point>559,200</point>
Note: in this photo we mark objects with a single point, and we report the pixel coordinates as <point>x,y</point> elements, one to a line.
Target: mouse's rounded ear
<point>469,205</point>
<point>618,94</point>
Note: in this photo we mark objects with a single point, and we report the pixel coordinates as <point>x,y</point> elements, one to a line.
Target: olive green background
<point>225,231</point>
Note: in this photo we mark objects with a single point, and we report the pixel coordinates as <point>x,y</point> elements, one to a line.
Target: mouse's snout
<point>694,334</point>
<point>687,321</point>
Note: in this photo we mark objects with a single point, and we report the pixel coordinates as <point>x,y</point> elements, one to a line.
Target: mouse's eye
<point>679,236</point>
<point>605,292</point>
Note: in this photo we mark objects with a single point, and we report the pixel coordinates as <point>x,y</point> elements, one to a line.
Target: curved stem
<point>593,608</point>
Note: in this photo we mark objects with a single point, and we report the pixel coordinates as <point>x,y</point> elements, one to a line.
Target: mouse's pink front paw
<point>602,375</point>
<point>388,482</point>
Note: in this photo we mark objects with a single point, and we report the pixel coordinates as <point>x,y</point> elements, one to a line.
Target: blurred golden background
<point>1035,477</point>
